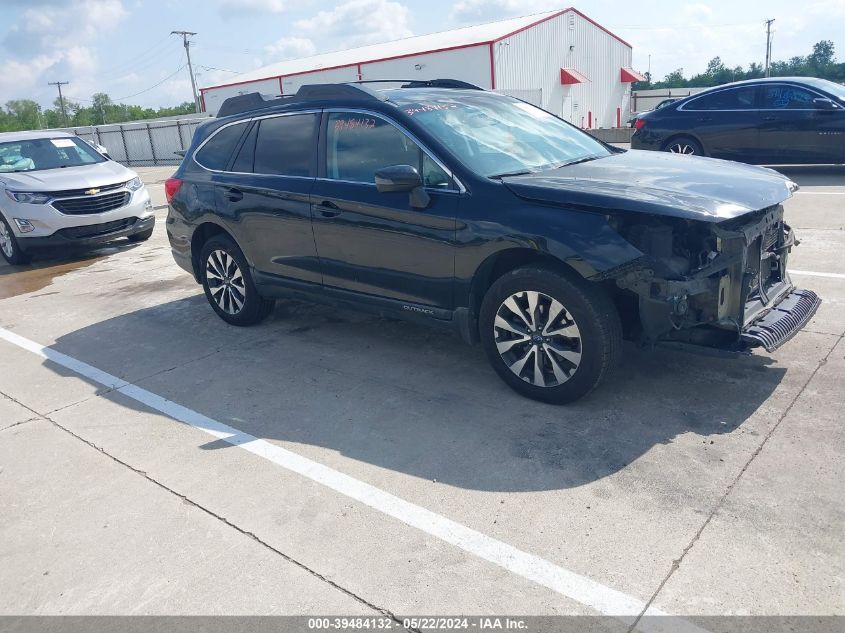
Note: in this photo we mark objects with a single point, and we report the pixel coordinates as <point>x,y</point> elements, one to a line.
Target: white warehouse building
<point>561,61</point>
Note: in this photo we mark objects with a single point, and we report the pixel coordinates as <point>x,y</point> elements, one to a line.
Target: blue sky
<point>123,47</point>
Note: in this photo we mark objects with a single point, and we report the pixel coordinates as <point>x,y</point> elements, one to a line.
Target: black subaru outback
<point>462,208</point>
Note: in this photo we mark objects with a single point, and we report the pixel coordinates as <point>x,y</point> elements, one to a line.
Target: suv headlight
<point>30,198</point>
<point>134,184</point>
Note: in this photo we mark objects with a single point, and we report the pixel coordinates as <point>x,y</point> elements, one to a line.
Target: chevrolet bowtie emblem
<point>91,192</point>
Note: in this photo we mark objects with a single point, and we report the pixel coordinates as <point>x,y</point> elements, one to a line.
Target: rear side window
<point>286,145</point>
<point>734,99</point>
<point>783,97</point>
<point>217,151</point>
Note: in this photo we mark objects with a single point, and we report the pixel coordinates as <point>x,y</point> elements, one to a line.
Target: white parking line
<point>584,590</point>
<point>811,273</point>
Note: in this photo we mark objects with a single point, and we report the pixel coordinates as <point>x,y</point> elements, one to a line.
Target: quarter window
<point>217,151</point>
<point>286,145</point>
<point>358,145</point>
<point>784,97</point>
<point>733,99</point>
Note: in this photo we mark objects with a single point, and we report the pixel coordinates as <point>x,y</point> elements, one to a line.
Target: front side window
<point>358,145</point>
<point>495,135</point>
<point>785,97</point>
<point>286,145</point>
<point>217,151</point>
<point>46,153</point>
<point>733,99</point>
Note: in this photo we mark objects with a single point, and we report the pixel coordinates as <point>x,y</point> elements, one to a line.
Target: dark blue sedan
<point>785,120</point>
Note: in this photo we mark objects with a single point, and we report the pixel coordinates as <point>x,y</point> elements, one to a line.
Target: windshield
<point>837,90</point>
<point>38,154</point>
<point>496,135</point>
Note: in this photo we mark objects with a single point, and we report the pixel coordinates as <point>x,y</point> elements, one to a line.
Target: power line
<point>185,35</point>
<point>59,85</point>
<point>130,61</point>
<point>178,70</point>
<point>768,44</point>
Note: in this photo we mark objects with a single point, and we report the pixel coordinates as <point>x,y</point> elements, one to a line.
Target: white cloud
<point>357,23</point>
<point>290,48</point>
<point>251,8</point>
<point>480,11</point>
<point>41,47</point>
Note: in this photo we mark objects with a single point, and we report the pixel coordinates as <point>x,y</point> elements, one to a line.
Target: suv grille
<point>78,232</point>
<point>92,204</point>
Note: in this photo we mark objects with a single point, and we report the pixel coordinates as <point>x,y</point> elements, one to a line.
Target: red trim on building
<point>360,75</point>
<point>618,117</point>
<point>492,67</point>
<point>570,76</point>
<point>558,14</point>
<point>629,75</point>
<point>589,120</point>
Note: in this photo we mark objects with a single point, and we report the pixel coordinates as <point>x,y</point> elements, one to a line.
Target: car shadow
<point>814,175</point>
<point>416,400</point>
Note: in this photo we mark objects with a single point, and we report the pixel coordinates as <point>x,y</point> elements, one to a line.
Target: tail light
<point>639,124</point>
<point>171,186</point>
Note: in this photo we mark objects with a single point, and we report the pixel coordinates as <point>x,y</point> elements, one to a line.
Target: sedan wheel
<point>682,148</point>
<point>537,338</point>
<point>225,282</point>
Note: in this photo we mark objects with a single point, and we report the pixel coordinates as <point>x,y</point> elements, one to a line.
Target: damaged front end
<point>721,284</point>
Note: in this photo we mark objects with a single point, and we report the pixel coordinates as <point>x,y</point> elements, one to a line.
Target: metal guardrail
<point>142,143</point>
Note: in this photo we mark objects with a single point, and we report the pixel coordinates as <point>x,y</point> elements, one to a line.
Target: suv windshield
<point>497,135</point>
<point>46,153</point>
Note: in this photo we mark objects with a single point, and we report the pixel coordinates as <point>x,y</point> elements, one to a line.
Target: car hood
<point>80,177</point>
<point>658,183</point>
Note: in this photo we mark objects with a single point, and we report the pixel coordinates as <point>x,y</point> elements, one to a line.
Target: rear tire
<point>684,145</point>
<point>143,236</point>
<point>9,247</point>
<point>228,283</point>
<point>550,336</point>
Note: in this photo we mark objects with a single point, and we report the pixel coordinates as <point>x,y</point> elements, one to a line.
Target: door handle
<point>328,209</point>
<point>234,195</point>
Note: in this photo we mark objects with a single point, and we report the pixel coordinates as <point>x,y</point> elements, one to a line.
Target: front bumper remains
<point>89,235</point>
<point>784,320</point>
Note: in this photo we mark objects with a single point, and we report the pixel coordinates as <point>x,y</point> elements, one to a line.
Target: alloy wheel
<point>682,148</point>
<point>537,338</point>
<point>225,281</point>
<point>6,244</point>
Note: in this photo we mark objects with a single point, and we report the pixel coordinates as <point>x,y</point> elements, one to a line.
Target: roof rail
<point>247,102</point>
<point>423,83</point>
<point>441,83</point>
<point>325,92</point>
<point>354,91</point>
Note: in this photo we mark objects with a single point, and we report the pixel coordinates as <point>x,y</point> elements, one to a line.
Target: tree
<point>822,56</point>
<point>675,79</point>
<point>26,113</point>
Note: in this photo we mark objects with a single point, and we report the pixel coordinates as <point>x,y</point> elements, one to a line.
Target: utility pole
<point>768,44</point>
<point>59,85</point>
<point>185,35</point>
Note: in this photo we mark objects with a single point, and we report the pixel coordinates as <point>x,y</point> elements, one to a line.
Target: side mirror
<point>823,103</point>
<point>397,178</point>
<point>403,178</point>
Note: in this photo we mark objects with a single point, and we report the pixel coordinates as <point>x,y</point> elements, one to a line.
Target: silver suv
<point>55,189</point>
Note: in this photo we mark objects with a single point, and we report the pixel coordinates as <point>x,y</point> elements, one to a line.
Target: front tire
<point>9,246</point>
<point>549,336</point>
<point>684,145</point>
<point>228,283</point>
